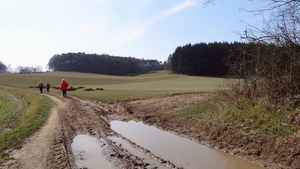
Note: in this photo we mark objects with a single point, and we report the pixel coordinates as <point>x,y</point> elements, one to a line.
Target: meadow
<point>116,87</point>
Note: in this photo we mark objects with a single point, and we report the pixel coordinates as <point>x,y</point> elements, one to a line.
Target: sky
<point>32,31</point>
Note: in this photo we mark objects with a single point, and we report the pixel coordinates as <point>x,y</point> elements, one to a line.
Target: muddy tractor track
<point>50,147</point>
<point>91,117</point>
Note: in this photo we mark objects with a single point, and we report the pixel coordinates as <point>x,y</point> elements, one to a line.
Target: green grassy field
<point>116,87</point>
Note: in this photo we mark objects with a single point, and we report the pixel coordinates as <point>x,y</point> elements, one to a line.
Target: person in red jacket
<point>64,86</point>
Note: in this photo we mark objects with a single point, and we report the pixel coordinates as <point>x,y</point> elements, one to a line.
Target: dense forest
<point>102,64</point>
<point>203,59</point>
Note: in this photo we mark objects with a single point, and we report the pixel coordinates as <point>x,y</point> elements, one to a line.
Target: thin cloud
<point>138,29</point>
<point>121,38</point>
<point>185,4</point>
<point>177,8</point>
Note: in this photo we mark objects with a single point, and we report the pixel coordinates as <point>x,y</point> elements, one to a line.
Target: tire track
<point>50,147</point>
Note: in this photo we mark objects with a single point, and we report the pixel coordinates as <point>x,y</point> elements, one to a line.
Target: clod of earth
<point>88,89</point>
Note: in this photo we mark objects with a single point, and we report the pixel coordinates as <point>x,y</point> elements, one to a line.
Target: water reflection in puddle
<point>151,163</point>
<point>180,151</point>
<point>88,153</point>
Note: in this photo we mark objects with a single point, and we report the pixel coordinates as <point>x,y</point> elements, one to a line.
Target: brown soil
<point>50,147</point>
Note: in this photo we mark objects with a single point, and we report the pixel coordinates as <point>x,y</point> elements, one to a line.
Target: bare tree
<point>269,65</point>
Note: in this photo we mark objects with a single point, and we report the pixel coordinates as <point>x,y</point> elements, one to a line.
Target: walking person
<point>64,86</point>
<point>48,86</point>
<point>41,86</point>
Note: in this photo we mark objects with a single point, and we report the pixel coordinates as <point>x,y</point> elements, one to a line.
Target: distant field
<point>116,87</point>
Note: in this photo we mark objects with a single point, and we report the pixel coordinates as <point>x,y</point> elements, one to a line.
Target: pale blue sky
<point>32,31</point>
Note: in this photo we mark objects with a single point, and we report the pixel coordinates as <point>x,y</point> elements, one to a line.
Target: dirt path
<point>50,147</point>
<point>36,148</point>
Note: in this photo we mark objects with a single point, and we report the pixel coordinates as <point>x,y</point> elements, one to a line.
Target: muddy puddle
<point>180,151</point>
<point>88,152</point>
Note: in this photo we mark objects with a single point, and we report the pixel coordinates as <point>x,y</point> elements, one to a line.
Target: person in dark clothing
<point>64,86</point>
<point>48,86</point>
<point>41,86</point>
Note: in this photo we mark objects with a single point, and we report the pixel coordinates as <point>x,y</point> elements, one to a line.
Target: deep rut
<point>80,116</point>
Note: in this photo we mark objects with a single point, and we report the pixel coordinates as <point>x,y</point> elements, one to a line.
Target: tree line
<point>3,67</point>
<point>102,64</point>
<point>20,69</point>
<point>202,59</point>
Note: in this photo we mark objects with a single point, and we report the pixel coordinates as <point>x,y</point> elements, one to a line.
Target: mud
<point>51,147</point>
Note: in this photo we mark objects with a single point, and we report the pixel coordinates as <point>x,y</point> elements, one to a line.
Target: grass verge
<point>202,113</point>
<point>245,115</point>
<point>33,114</point>
<point>259,116</point>
<point>8,104</point>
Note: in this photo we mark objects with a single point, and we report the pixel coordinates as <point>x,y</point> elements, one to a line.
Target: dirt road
<point>50,147</point>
